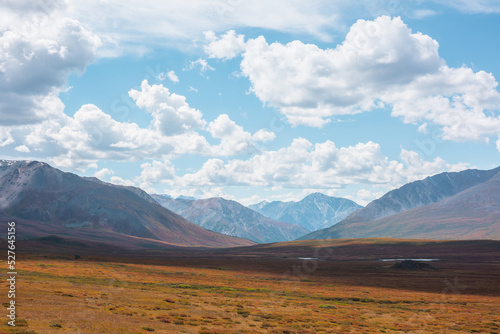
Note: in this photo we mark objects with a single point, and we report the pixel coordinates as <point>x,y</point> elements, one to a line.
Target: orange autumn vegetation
<point>239,291</point>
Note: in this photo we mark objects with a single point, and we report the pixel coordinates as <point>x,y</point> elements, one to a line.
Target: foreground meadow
<point>245,293</point>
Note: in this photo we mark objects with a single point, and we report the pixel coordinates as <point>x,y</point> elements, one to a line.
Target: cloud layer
<point>38,50</point>
<point>90,135</point>
<point>135,27</point>
<point>321,166</point>
<point>381,63</point>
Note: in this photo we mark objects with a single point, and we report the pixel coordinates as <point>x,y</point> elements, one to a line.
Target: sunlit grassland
<point>57,294</point>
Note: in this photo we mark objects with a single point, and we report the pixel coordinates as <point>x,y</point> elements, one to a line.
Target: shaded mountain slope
<point>35,191</point>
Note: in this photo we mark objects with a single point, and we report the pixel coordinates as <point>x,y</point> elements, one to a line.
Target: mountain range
<point>60,203</point>
<point>461,205</point>
<point>231,218</point>
<point>61,208</point>
<point>314,212</point>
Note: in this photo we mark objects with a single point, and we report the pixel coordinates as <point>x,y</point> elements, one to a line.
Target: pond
<point>422,260</point>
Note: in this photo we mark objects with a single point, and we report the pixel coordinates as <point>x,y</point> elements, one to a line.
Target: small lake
<point>422,260</point>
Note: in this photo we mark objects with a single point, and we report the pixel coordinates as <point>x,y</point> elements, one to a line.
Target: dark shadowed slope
<point>314,212</point>
<point>35,191</point>
<point>473,213</point>
<point>232,218</point>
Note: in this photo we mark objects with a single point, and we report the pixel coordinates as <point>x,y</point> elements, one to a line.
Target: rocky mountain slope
<point>314,212</point>
<point>36,192</point>
<point>464,205</point>
<point>232,218</point>
<point>419,193</point>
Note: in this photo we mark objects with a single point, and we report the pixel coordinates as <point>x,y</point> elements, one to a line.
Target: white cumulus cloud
<point>156,172</point>
<point>102,173</point>
<point>316,166</point>
<point>38,50</point>
<point>80,141</point>
<point>226,46</point>
<point>364,196</point>
<point>234,139</point>
<point>22,148</point>
<point>381,63</point>
<point>171,113</point>
<point>122,182</point>
<point>309,84</point>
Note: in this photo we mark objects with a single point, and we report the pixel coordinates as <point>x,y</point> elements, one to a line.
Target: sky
<point>252,100</point>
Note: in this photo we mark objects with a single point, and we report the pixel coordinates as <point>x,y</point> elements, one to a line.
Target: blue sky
<point>252,100</point>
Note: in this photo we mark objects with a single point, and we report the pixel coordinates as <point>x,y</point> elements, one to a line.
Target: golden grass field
<point>259,290</point>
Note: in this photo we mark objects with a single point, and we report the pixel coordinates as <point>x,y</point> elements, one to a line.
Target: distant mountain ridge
<point>419,193</point>
<point>231,218</point>
<point>36,192</point>
<point>462,205</point>
<point>314,212</point>
<point>47,201</point>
